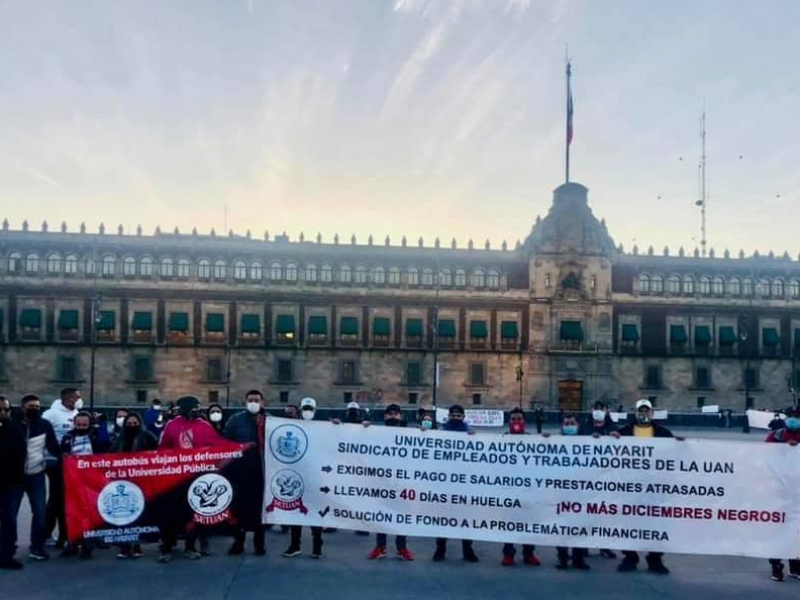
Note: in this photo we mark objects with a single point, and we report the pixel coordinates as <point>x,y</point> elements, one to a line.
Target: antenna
<point>703,184</point>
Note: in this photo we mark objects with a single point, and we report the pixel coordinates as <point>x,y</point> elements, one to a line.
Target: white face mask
<point>308,414</point>
<point>120,421</point>
<point>253,408</point>
<point>599,415</point>
<point>79,404</point>
<point>215,417</point>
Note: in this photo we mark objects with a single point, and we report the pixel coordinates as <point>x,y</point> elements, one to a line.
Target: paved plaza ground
<point>344,573</point>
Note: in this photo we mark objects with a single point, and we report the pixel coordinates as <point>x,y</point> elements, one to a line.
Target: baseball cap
<point>354,405</point>
<point>308,402</point>
<point>644,402</point>
<point>392,408</point>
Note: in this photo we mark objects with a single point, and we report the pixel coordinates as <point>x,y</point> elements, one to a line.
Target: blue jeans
<point>10,499</point>
<point>399,541</point>
<point>36,489</point>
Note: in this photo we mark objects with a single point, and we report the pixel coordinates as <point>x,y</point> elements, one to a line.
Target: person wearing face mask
<point>247,427</point>
<point>788,434</point>
<point>154,418</point>
<point>119,420</point>
<point>12,483</point>
<point>392,417</point>
<point>426,421</point>
<point>216,417</point>
<point>569,426</point>
<point>308,409</point>
<point>41,441</point>
<point>644,427</point>
<point>516,426</point>
<point>352,416</point>
<point>456,422</point>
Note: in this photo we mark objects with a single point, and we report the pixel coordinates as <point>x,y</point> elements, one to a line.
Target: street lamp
<point>520,374</point>
<point>744,348</point>
<point>96,303</point>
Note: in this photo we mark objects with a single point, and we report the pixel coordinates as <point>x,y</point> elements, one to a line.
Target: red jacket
<point>184,434</point>
<point>784,435</point>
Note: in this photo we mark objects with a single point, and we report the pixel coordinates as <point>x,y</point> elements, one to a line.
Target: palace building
<point>563,319</point>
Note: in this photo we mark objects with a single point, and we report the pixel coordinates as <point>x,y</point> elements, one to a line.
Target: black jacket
<point>243,428</point>
<point>143,440</point>
<point>41,437</point>
<point>588,428</point>
<point>659,431</point>
<point>13,448</point>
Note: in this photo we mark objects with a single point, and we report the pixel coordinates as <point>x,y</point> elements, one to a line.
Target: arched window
<point>461,278</point>
<point>291,271</point>
<point>90,267</point>
<point>14,262</point>
<point>256,271</point>
<point>748,288</point>
<point>345,274</point>
<point>275,271</point>
<point>184,268</point>
<point>32,263</point>
<point>673,284</point>
<point>109,266</point>
<point>427,276</point>
<point>219,270</point>
<point>718,286</point>
<point>54,264</point>
<point>794,288</point>
<point>129,266</point>
<point>657,284</point>
<point>379,276</point>
<point>413,276</point>
<point>735,286</point>
<point>71,264</point>
<point>688,285</point>
<point>311,273</point>
<point>167,268</point>
<point>204,269</point>
<point>239,270</point>
<point>644,283</point>
<point>478,278</point>
<point>146,267</point>
<point>445,278</point>
<point>762,287</point>
<point>705,286</point>
<point>778,288</point>
<point>361,274</point>
<point>326,274</point>
<point>493,279</point>
<point>394,276</point>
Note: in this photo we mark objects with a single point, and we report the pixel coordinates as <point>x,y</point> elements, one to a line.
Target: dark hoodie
<point>139,441</point>
<point>13,447</point>
<point>454,425</point>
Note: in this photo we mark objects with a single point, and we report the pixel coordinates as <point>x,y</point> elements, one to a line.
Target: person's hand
<point>615,435</point>
<point>680,438</point>
<point>792,442</point>
<point>336,421</point>
<point>546,434</point>
<point>366,423</point>
<point>595,435</point>
<point>421,428</point>
<point>471,432</point>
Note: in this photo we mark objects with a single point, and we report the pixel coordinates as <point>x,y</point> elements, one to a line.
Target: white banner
<point>714,408</point>
<point>760,419</point>
<point>695,496</point>
<point>475,417</point>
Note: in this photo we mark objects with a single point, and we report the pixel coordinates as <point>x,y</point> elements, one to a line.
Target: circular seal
<point>210,494</point>
<point>288,443</point>
<point>120,503</point>
<point>287,486</point>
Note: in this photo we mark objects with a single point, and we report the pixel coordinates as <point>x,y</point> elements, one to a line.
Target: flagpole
<point>567,132</point>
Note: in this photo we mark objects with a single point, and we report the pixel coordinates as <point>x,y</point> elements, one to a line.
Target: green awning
<point>702,335</point>
<point>477,329</point>
<point>108,320</point>
<point>796,333</point>
<point>727,336</point>
<point>284,324</point>
<point>251,323</point>
<point>381,326</point>
<point>31,317</point>
<point>771,337</point>
<point>318,326</point>
<point>142,321</point>
<point>508,330</point>
<point>68,319</point>
<point>179,321</point>
<point>630,332</point>
<point>571,330</point>
<point>447,328</point>
<point>215,322</point>
<point>414,328</point>
<point>677,334</point>
<point>348,326</point>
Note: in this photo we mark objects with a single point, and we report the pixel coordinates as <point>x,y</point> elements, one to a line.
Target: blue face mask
<point>569,430</point>
<point>793,423</point>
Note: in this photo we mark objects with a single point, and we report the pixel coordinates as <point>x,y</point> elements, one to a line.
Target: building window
<point>204,270</point>
<point>142,369</point>
<point>794,289</point>
<point>735,286</point>
<point>361,275</point>
<point>71,264</point>
<point>702,339</point>
<point>214,370</point>
<point>688,285</point>
<point>446,278</point>
<point>394,276</point>
<point>677,339</point>
<point>347,372</point>
<point>413,373</point>
<point>146,267</point>
<point>67,368</point>
<point>106,326</point>
<point>178,326</point>
<point>748,288</point>
<point>414,333</point>
<point>493,279</point>
<point>477,375</point>
<point>30,321</point>
<point>763,288</point>
<point>68,325</point>
<point>644,284</point>
<point>240,270</point>
<point>250,327</point>
<point>256,271</point>
<point>379,276</point>
<point>478,334</point>
<point>109,266</point>
<point>215,326</point>
<point>285,329</point>
<point>326,274</point>
<point>413,276</point>
<point>705,286</point>
<point>652,377</point>
<point>184,269</point>
<point>167,268</point>
<point>283,397</point>
<point>447,333</point>
<point>673,284</point>
<point>213,397</point>
<point>349,331</point>
<point>657,284</point>
<point>412,397</point>
<point>476,399</point>
<point>32,264</point>
<point>771,341</point>
<point>53,264</point>
<point>478,278</point>
<point>311,273</point>
<point>291,272</point>
<point>14,263</point>
<point>284,371</point>
<point>275,271</point>
<point>509,334</point>
<point>129,266</point>
<point>90,267</point>
<point>142,326</point>
<point>750,378</point>
<point>461,278</point>
<point>777,288</point>
<point>718,286</point>
<point>141,396</point>
<point>702,378</point>
<point>317,330</point>
<point>427,276</point>
<point>347,397</point>
<point>381,331</point>
<point>629,338</point>
<point>2,367</point>
<point>345,274</point>
<point>219,270</point>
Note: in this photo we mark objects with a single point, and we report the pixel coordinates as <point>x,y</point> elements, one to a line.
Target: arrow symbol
<point>327,469</point>
<point>322,513</point>
<point>325,489</point>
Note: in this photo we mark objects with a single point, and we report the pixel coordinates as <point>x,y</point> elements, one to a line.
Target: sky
<point>401,117</point>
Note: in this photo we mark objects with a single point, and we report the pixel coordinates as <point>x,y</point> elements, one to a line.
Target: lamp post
<point>520,374</point>
<point>743,347</point>
<point>96,303</point>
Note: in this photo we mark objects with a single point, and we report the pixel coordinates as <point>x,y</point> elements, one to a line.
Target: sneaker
<point>562,564</point>
<point>626,566</point>
<point>471,557</point>
<point>508,561</point>
<point>658,567</point>
<point>438,556</point>
<point>123,554</point>
<point>165,558</point>
<point>377,552</point>
<point>39,555</point>
<point>50,542</point>
<point>316,553</point>
<point>192,555</point>
<point>608,553</point>
<point>260,551</point>
<point>794,575</point>
<point>777,574</point>
<point>582,565</point>
<point>11,565</point>
<point>405,554</point>
<point>236,549</point>
<point>137,552</point>
<point>292,551</point>
<point>531,560</point>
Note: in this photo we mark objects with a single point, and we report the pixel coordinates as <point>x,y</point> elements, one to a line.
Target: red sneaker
<point>378,552</point>
<point>405,554</point>
<point>532,561</point>
<point>508,561</point>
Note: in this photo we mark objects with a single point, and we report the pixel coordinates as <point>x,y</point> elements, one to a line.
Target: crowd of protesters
<point>33,444</point>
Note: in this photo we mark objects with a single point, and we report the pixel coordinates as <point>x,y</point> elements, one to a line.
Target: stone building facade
<point>563,319</point>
